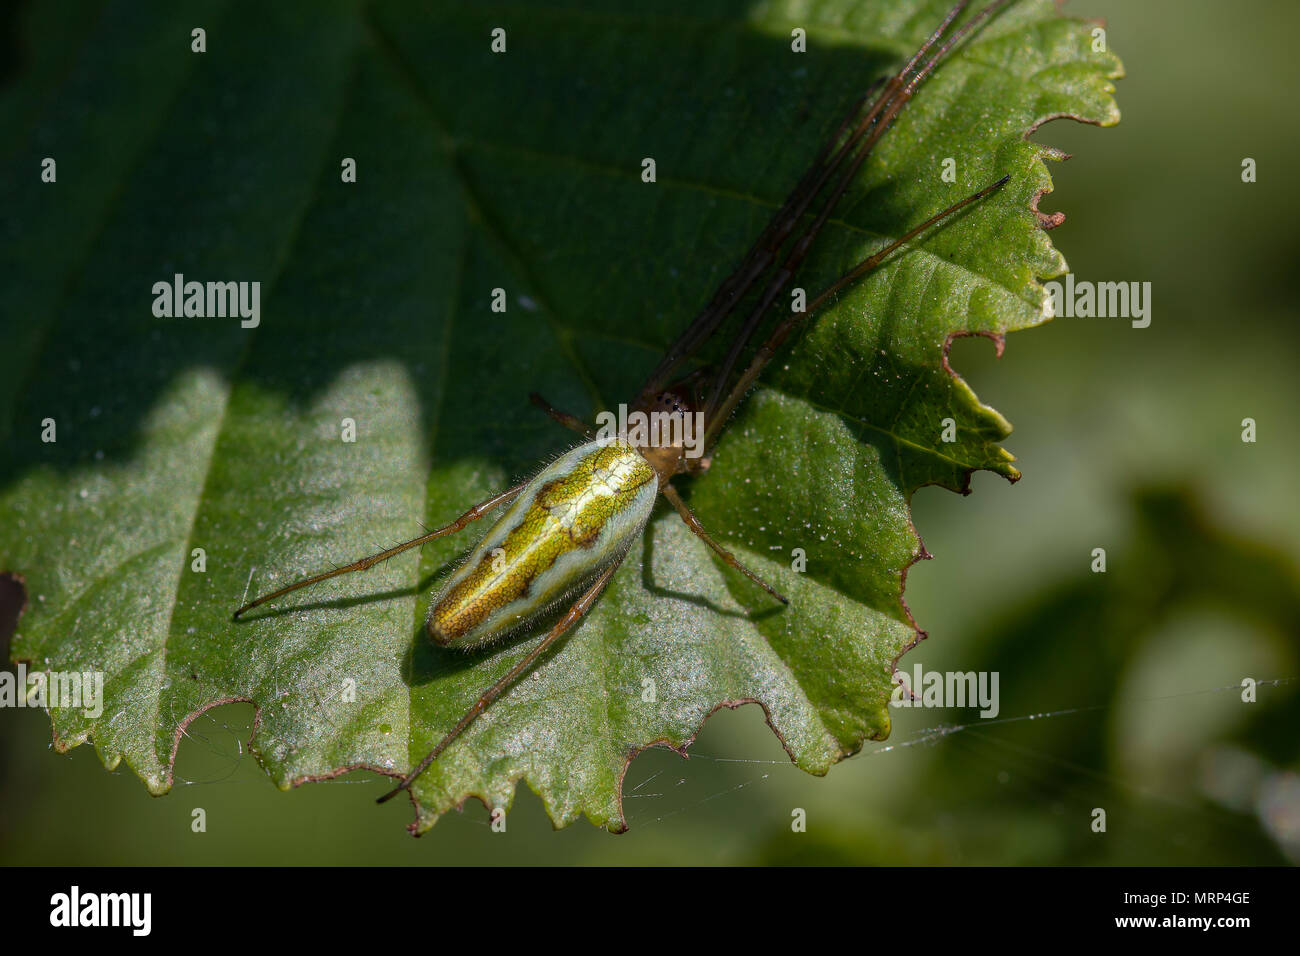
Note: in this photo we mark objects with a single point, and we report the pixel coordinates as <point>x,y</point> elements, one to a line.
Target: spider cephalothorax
<point>672,439</point>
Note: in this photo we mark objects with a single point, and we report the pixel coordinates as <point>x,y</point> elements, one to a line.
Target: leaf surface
<point>478,171</point>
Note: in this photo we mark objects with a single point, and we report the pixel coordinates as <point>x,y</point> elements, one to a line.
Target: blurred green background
<point>1128,439</point>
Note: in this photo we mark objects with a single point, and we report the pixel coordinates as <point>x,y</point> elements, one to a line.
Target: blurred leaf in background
<point>1187,774</point>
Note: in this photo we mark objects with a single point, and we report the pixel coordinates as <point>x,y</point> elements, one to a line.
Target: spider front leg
<point>721,407</point>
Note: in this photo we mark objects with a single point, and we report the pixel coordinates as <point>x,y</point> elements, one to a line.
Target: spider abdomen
<point>569,522</point>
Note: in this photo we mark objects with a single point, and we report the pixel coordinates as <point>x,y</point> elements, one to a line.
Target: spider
<point>567,529</point>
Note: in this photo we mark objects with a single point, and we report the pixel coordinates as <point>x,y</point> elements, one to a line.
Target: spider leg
<point>564,418</point>
<point>473,514</point>
<point>897,93</point>
<point>571,617</point>
<point>768,349</point>
<point>693,523</point>
<point>764,251</point>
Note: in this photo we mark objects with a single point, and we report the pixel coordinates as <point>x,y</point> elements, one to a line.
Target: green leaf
<point>479,171</point>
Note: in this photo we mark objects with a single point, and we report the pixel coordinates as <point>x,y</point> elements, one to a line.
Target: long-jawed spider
<point>569,527</point>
